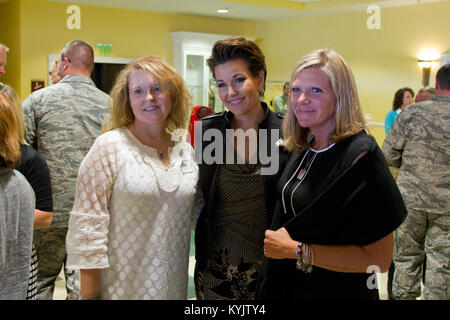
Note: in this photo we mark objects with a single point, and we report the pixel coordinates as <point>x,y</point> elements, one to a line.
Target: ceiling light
<point>425,63</point>
<point>303,1</point>
<point>426,68</point>
<point>222,10</point>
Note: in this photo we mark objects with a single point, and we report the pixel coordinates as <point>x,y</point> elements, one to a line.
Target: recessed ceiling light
<point>304,1</point>
<point>222,10</point>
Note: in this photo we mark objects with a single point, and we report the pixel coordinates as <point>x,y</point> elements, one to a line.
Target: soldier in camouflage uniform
<point>418,143</point>
<point>62,123</point>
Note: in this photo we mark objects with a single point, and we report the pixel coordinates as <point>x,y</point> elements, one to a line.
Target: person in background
<point>3,58</point>
<point>280,102</point>
<point>130,226</point>
<point>36,171</point>
<point>403,97</point>
<point>329,233</point>
<point>16,211</point>
<point>197,113</point>
<point>424,94</point>
<point>62,121</point>
<point>418,144</point>
<point>54,71</point>
<point>237,193</point>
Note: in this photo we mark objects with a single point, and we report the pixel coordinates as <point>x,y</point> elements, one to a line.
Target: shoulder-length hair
<point>349,117</point>
<point>121,113</point>
<point>9,135</point>
<point>16,104</point>
<point>398,97</point>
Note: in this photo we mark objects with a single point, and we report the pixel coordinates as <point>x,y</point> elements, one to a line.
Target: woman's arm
<point>89,280</point>
<point>345,258</point>
<point>87,236</point>
<point>42,219</point>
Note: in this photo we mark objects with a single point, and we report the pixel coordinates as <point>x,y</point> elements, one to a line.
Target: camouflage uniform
<point>62,122</point>
<point>418,143</point>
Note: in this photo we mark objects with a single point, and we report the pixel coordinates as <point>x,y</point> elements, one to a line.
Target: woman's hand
<point>279,245</point>
<point>345,258</point>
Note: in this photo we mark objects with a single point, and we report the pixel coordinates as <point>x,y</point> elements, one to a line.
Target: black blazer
<point>208,173</point>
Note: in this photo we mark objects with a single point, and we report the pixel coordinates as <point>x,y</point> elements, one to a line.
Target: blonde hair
<point>349,117</point>
<point>121,114</point>
<point>9,136</point>
<point>16,105</point>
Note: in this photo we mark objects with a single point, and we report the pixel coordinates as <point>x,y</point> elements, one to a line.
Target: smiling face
<point>407,99</point>
<point>149,102</point>
<point>238,89</point>
<point>313,101</point>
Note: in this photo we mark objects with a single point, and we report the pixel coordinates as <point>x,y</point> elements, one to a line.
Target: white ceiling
<point>247,9</point>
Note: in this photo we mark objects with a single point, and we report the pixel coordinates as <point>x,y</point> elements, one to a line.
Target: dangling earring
<point>261,91</point>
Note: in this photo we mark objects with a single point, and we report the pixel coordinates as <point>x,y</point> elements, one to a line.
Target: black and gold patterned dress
<point>238,227</point>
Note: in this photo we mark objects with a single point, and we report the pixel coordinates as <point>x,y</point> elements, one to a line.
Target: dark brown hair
<point>398,97</point>
<point>443,77</point>
<point>236,48</point>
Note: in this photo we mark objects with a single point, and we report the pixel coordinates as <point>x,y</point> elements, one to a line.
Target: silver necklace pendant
<point>161,155</point>
<point>308,163</point>
<point>301,174</point>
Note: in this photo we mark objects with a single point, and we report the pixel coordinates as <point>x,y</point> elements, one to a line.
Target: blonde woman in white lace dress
<point>129,230</point>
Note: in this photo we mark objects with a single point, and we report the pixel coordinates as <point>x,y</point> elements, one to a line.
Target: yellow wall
<point>382,60</point>
<point>10,36</point>
<point>132,33</point>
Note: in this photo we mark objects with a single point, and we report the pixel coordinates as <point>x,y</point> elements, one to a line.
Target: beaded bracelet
<point>304,257</point>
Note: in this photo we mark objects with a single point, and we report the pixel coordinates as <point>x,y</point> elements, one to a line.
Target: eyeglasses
<point>141,92</point>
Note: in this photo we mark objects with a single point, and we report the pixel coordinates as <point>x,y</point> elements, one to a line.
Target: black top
<point>333,203</point>
<point>36,171</point>
<point>208,172</point>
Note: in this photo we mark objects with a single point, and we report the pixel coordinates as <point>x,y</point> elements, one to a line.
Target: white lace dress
<point>132,218</point>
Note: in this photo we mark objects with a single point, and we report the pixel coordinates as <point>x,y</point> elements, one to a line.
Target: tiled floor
<point>60,290</point>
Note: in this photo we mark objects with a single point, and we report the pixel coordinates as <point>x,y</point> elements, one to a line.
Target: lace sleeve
<point>87,237</point>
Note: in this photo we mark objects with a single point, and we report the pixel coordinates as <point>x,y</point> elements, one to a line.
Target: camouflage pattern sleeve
<point>29,118</point>
<point>63,121</point>
<point>418,143</point>
<point>394,143</point>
